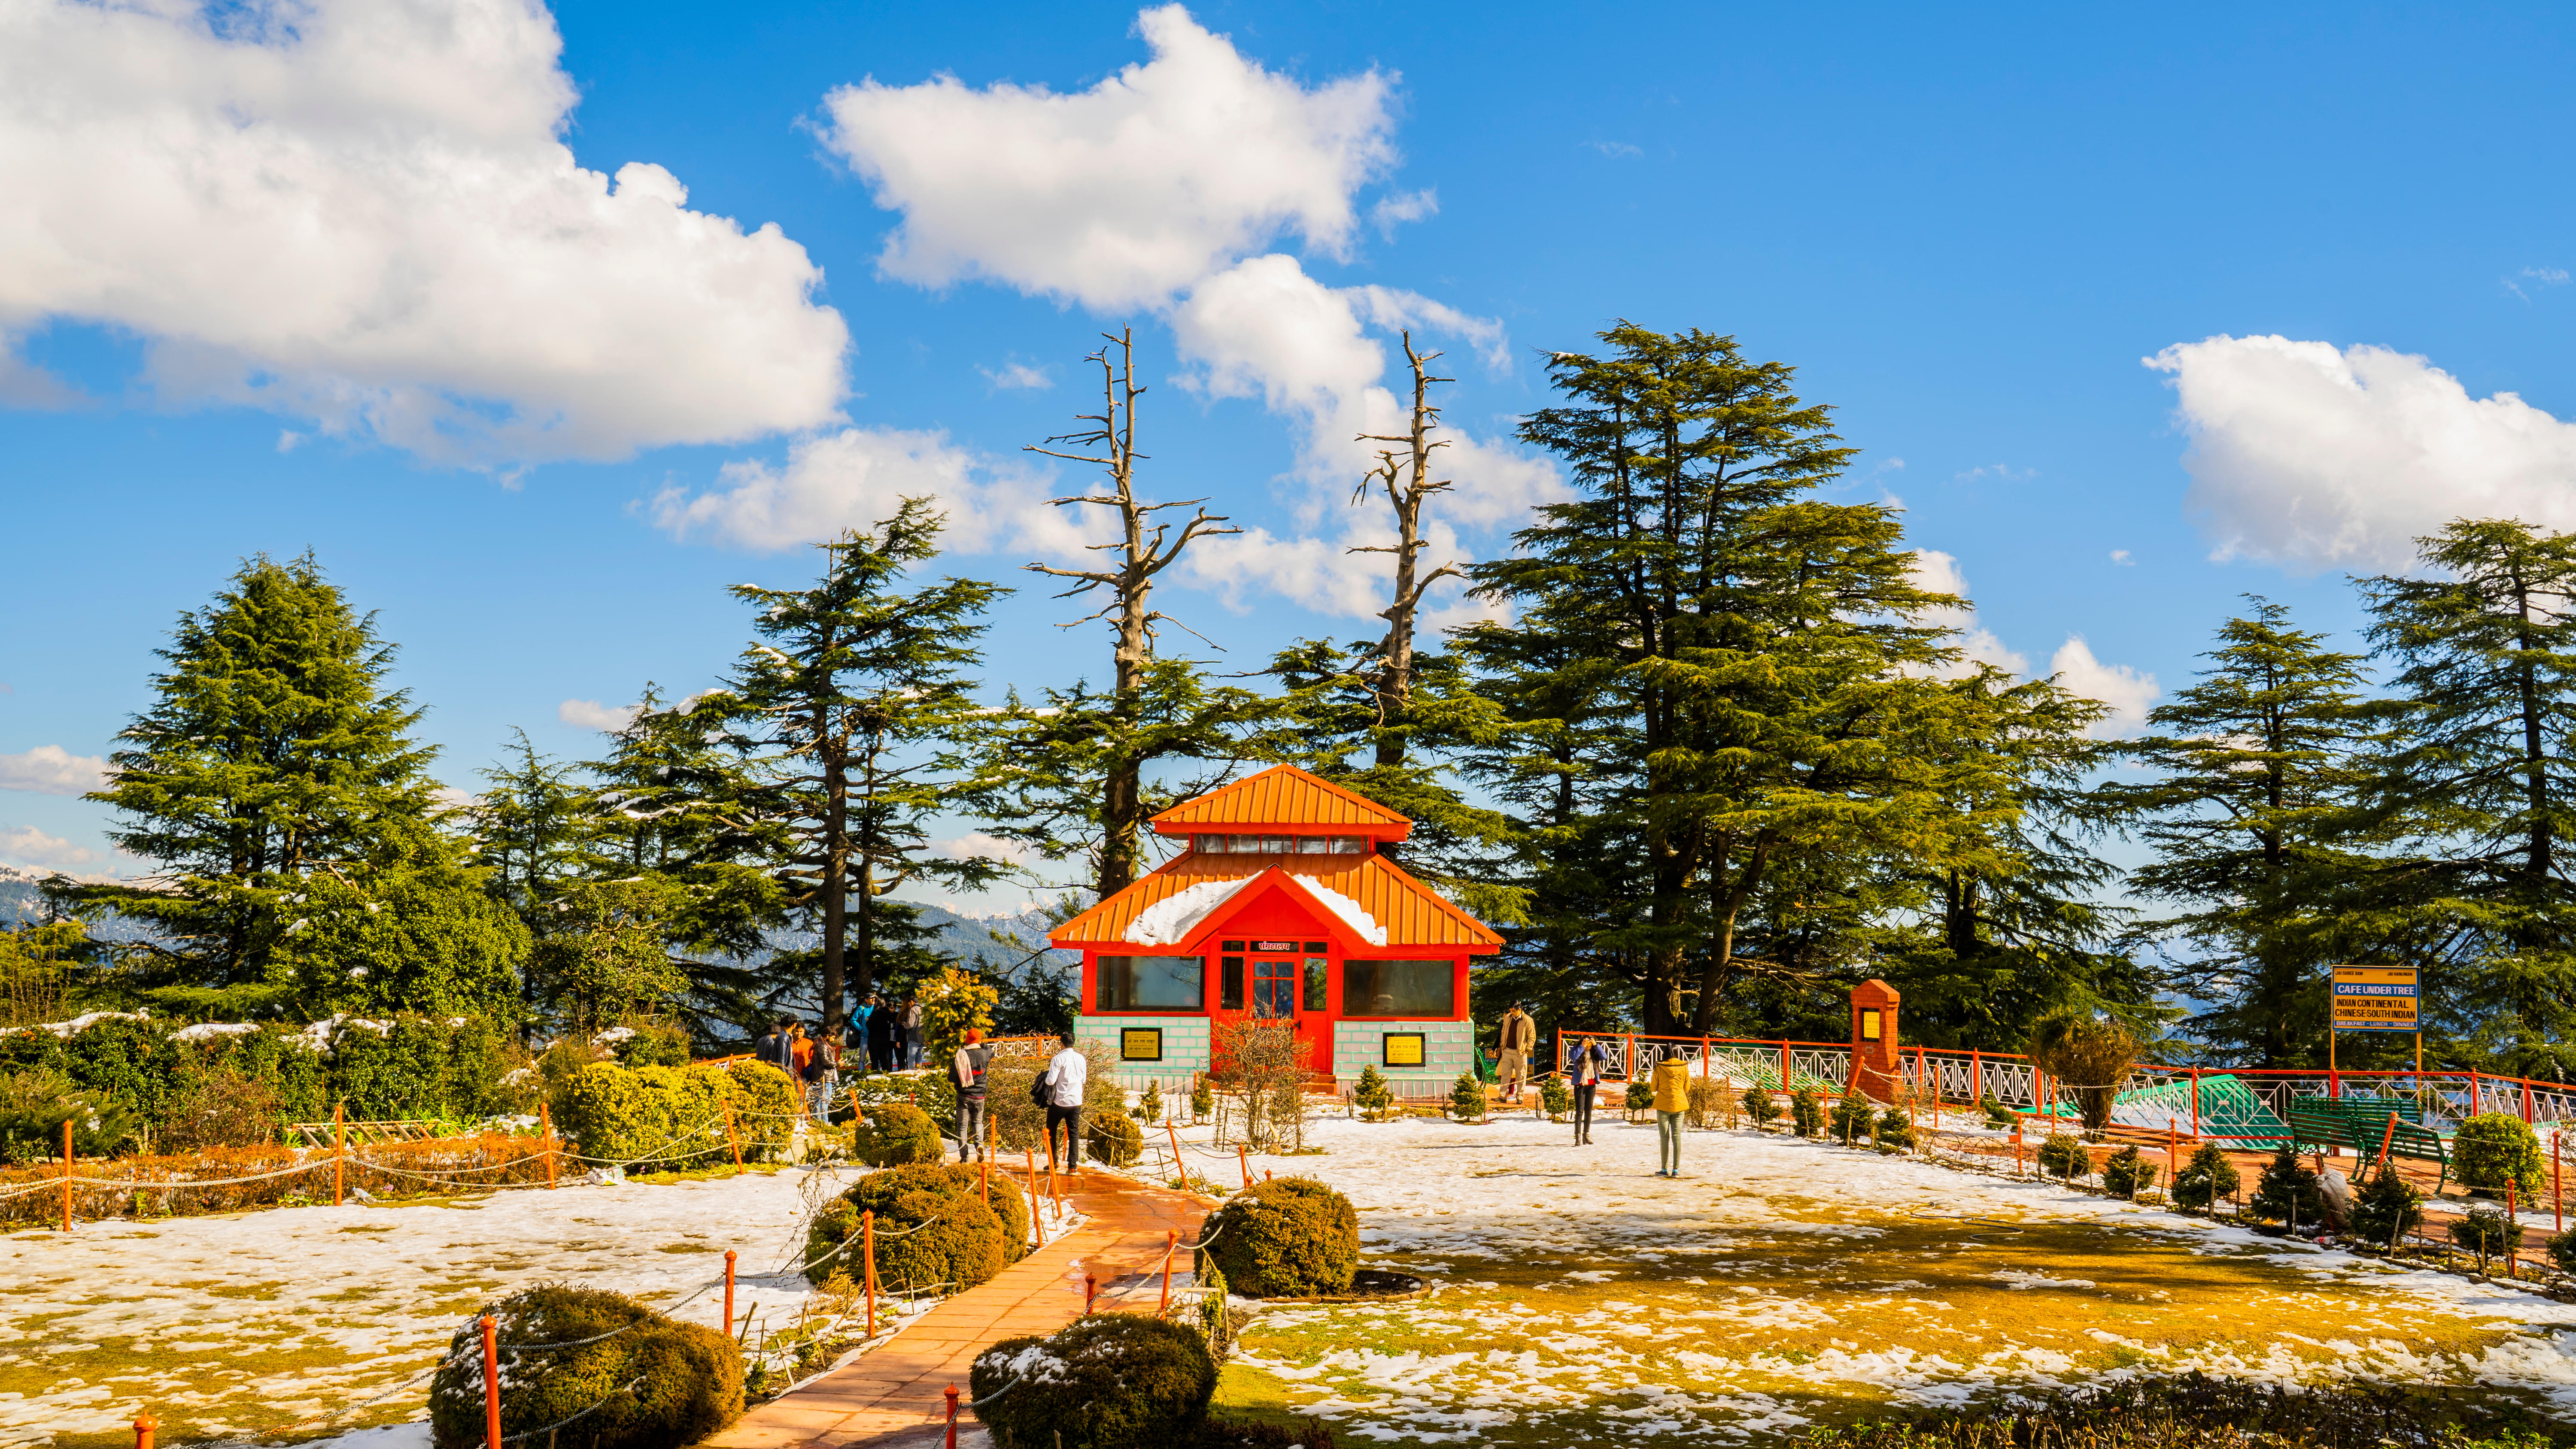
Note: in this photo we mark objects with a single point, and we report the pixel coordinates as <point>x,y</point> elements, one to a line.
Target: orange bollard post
<point>1180,1169</point>
<point>491,1382</point>
<point>2557,1184</point>
<point>2016,1149</point>
<point>1037,1218</point>
<point>952,1416</point>
<point>546,1134</point>
<point>2512,1215</point>
<point>868,1246</point>
<point>67,1174</point>
<point>144,1429</point>
<point>1171,1245</point>
<point>1265,1174</point>
<point>2170,1159</point>
<point>1243,1155</point>
<point>734,1137</point>
<point>339,1152</point>
<point>729,1257</point>
<point>984,1177</point>
<point>1090,1290</point>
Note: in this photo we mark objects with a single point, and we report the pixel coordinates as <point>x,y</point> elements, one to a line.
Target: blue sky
<point>326,277</point>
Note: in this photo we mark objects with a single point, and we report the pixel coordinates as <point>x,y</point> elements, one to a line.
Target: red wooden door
<point>1290,990</point>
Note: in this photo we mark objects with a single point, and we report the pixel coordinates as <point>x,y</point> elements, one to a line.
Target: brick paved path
<point>892,1395</point>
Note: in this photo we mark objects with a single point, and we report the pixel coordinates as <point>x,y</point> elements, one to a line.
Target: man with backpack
<point>966,1073</point>
<point>1061,1090</point>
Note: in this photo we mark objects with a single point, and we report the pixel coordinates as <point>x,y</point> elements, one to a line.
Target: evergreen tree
<point>2481,783</point>
<point>2251,815</point>
<point>276,783</point>
<point>1760,649</point>
<point>852,704</point>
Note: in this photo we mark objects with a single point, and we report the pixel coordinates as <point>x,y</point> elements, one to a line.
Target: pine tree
<point>1758,647</point>
<point>854,704</point>
<point>2252,819</point>
<point>277,784</point>
<point>2480,780</point>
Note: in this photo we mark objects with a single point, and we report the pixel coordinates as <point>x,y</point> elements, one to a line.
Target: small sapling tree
<point>1373,1097</point>
<point>2486,1231</point>
<point>1467,1098</point>
<point>1758,1105</point>
<point>2064,1155</point>
<point>2387,1209</point>
<point>2205,1179</point>
<point>2126,1173</point>
<point>1807,1112</point>
<point>2562,1251</point>
<point>1895,1130</point>
<point>1851,1118</point>
<point>2288,1191</point>
<point>1555,1098</point>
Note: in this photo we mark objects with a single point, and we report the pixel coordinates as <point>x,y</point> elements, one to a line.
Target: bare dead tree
<point>1142,549</point>
<point>1404,472</point>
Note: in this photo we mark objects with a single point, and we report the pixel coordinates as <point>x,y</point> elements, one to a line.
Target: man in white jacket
<point>1066,1075</point>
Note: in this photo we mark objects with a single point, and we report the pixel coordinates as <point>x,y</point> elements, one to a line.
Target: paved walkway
<point>893,1394</point>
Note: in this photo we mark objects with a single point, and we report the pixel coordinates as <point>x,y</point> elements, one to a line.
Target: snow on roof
<point>1351,912</point>
<point>1168,921</point>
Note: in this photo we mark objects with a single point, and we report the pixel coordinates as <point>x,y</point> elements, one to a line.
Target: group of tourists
<point>1059,1088</point>
<point>1591,1060</point>
<point>882,1036</point>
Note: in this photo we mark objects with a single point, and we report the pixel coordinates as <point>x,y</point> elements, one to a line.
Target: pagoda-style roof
<point>1393,910</point>
<point>1284,800</point>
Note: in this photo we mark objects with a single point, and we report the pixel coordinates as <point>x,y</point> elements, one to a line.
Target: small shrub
<point>2126,1173</point>
<point>1202,1098</point>
<point>2494,1149</point>
<point>2486,1231</point>
<point>1114,1138</point>
<point>1807,1112</point>
<point>1149,1105</point>
<point>1758,1104</point>
<point>1850,1117</point>
<point>2562,1250</point>
<point>1896,1130</point>
<point>1373,1097</point>
<point>1998,1116</point>
<point>2288,1192</point>
<point>219,1107</point>
<point>657,1383</point>
<point>766,1103</point>
<point>2205,1179</point>
<point>895,1135</point>
<point>965,1242</point>
<point>2063,1155</point>
<point>1467,1098</point>
<point>653,1045</point>
<point>1103,1382</point>
<point>1555,1098</point>
<point>1289,1237</point>
<point>2387,1208</point>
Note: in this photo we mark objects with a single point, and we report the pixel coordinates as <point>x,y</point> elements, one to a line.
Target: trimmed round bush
<point>1290,1237</point>
<point>2494,1149</point>
<point>655,1118</point>
<point>895,1135</point>
<point>657,1383</point>
<point>766,1103</point>
<point>1114,1138</point>
<point>966,1243</point>
<point>1103,1382</point>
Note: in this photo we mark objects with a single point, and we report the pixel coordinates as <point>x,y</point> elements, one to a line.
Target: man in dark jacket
<point>773,1047</point>
<point>966,1073</point>
<point>881,1034</point>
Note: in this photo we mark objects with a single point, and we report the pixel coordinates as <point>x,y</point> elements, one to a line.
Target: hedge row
<point>408,1068</point>
<point>202,1182</point>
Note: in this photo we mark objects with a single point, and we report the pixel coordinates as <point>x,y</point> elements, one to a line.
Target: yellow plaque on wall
<point>1141,1044</point>
<point>1404,1049</point>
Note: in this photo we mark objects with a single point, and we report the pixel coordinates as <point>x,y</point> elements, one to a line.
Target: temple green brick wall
<point>1185,1048</point>
<point>1448,1048</point>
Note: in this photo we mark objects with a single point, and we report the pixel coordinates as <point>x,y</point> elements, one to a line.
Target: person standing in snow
<point>966,1073</point>
<point>911,1032</point>
<point>859,1018</point>
<point>881,1035</point>
<point>1589,1062</point>
<point>1672,1099</point>
<point>1519,1037</point>
<point>822,1074</point>
<point>1065,1078</point>
<point>800,1052</point>
<point>771,1045</point>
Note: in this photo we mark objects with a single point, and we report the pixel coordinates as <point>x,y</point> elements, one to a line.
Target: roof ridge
<point>1199,803</point>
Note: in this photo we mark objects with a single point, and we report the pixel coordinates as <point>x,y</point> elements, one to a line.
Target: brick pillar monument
<point>1873,1040</point>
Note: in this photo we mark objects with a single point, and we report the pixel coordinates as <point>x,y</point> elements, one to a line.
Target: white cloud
<point>857,476</point>
<point>2121,557</point>
<point>1615,150</point>
<point>2537,277</point>
<point>1122,194</point>
<point>2312,458</point>
<point>2127,691</point>
<point>451,798</point>
<point>361,214</point>
<point>1017,375</point>
<point>975,843</point>
<point>1938,573</point>
<point>52,770</point>
<point>588,714</point>
<point>1400,207</point>
<point>26,845</point>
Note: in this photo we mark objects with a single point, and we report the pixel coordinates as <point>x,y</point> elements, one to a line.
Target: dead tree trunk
<point>1404,472</point>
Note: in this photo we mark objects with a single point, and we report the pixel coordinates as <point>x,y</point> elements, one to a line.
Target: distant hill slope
<point>22,900</point>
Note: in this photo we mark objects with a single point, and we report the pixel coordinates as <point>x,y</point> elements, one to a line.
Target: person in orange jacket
<point>1672,1099</point>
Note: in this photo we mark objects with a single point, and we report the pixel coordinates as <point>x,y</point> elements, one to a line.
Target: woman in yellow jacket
<point>1672,1098</point>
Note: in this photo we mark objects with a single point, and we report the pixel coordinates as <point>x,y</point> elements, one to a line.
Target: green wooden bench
<point>2362,1124</point>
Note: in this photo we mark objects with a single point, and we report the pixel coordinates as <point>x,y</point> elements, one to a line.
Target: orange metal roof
<point>1288,800</point>
<point>1412,913</point>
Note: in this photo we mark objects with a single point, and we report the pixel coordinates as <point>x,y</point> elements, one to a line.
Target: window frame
<point>1100,979</point>
<point>1351,1005</point>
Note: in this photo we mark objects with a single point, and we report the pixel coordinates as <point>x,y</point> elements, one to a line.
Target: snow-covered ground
<point>1780,1283</point>
<point>258,1320</point>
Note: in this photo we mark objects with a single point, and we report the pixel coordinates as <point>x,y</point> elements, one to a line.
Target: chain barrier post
<point>952,1416</point>
<point>2016,1149</point>
<point>144,1428</point>
<point>2557,1182</point>
<point>2512,1245</point>
<point>67,1174</point>
<point>868,1250</point>
<point>1171,1245</point>
<point>491,1382</point>
<point>733,1137</point>
<point>2171,1169</point>
<point>546,1134</point>
<point>1037,1205</point>
<point>339,1152</point>
<point>2386,1140</point>
<point>1090,1290</point>
<point>1243,1155</point>
<point>728,1318</point>
<point>1180,1169</point>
